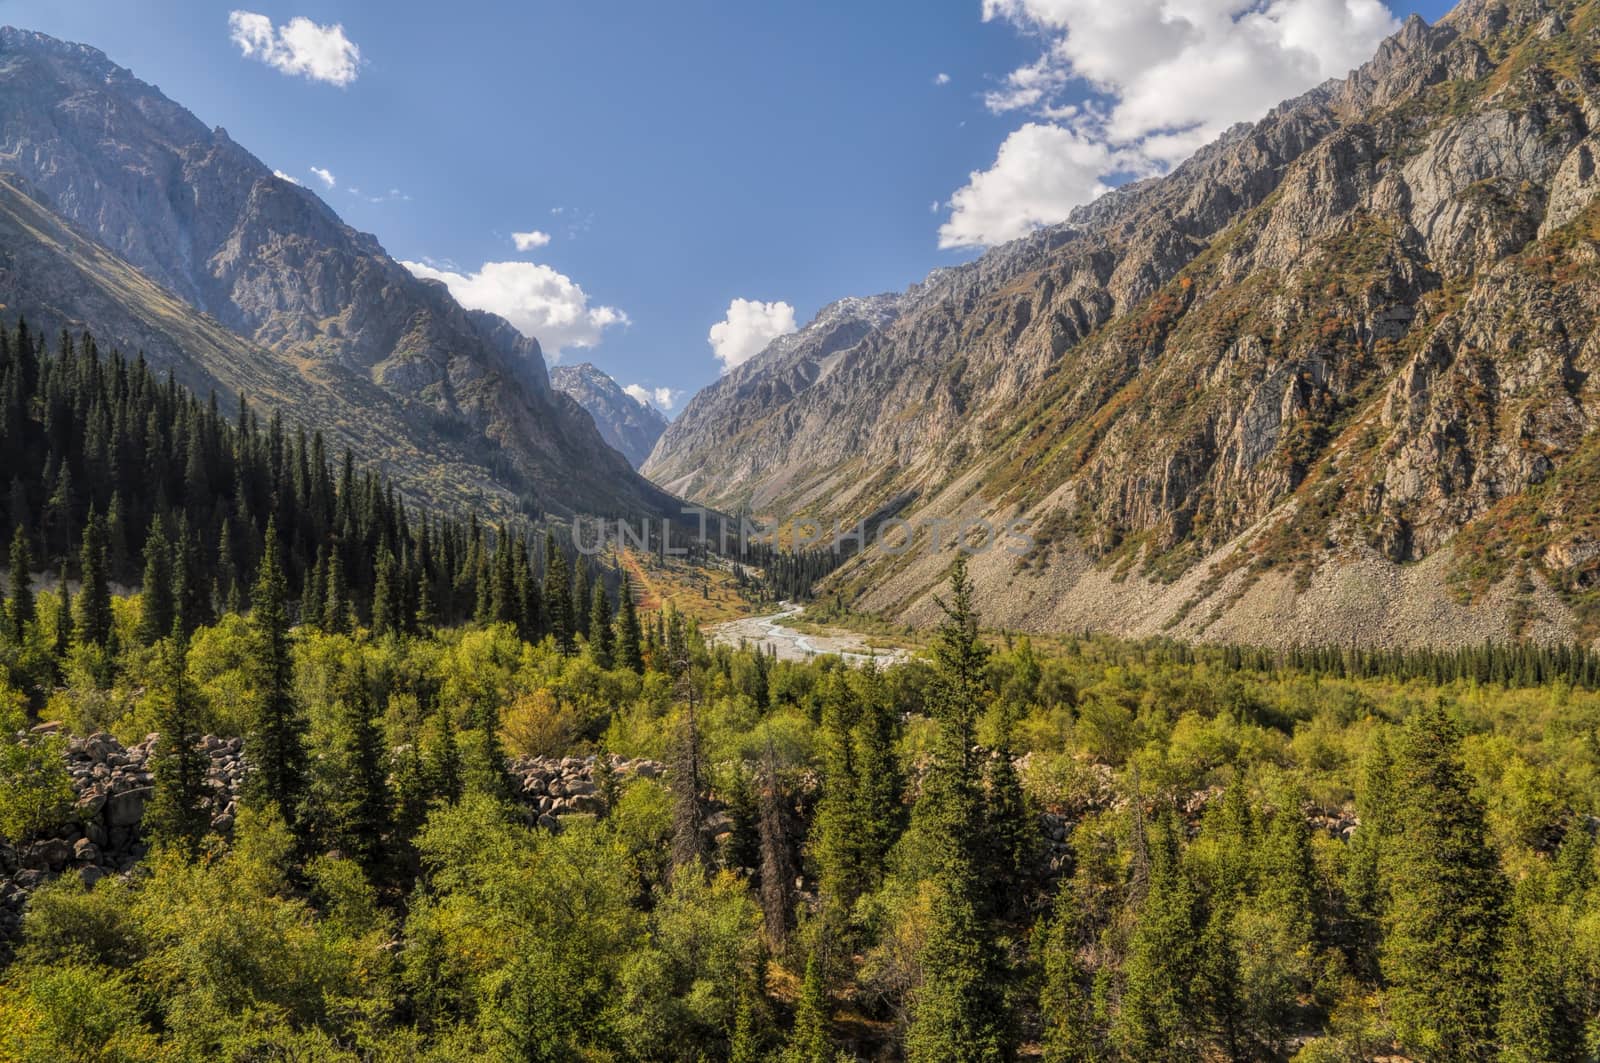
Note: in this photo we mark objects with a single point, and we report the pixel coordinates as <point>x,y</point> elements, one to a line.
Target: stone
<point>126,809</point>
<point>50,854</point>
<point>86,852</point>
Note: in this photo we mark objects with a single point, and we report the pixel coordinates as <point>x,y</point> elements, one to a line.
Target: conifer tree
<point>808,1040</point>
<point>94,599</point>
<point>177,815</point>
<point>336,609</point>
<point>1066,1005</point>
<point>21,607</point>
<point>688,816</point>
<point>1446,898</point>
<point>276,742</point>
<point>386,605</point>
<point>600,640</point>
<point>958,1013</point>
<point>155,616</point>
<point>558,595</point>
<point>1156,1020</point>
<point>443,760</point>
<point>1541,1017</point>
<point>580,597</point>
<point>354,802</point>
<point>628,651</point>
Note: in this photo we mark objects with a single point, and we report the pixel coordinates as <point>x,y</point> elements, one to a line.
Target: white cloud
<point>661,398</point>
<point>748,327</point>
<point>941,79</point>
<point>280,175</point>
<point>299,46</point>
<point>325,176</point>
<point>394,195</point>
<point>530,240</point>
<point>536,299</point>
<point>1145,83</point>
<point>1039,175</point>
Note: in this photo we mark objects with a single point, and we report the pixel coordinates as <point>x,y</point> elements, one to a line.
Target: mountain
<point>123,213</point>
<point>1332,379</point>
<point>628,425</point>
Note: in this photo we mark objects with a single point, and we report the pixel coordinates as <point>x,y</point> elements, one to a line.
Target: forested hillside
<point>305,816</point>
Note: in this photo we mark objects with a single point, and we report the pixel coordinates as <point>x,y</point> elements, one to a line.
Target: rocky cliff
<point>1329,379</point>
<point>407,371</point>
<point>626,424</point>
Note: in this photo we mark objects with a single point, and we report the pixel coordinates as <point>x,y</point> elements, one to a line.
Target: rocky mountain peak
<point>206,220</point>
<point>1345,339</point>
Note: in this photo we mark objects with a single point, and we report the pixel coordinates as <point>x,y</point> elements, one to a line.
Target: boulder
<point>127,808</point>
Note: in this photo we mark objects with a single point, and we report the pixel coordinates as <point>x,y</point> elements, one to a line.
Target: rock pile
<point>111,785</point>
<point>552,787</point>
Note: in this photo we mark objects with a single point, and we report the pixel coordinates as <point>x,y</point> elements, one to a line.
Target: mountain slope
<point>626,424</point>
<point>201,217</point>
<point>1260,398</point>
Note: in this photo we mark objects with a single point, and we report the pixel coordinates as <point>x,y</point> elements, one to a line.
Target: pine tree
<point>336,608</point>
<point>1363,883</point>
<point>558,595</point>
<point>94,600</point>
<point>1159,1009</point>
<point>808,1040</point>
<point>276,742</point>
<point>959,1012</point>
<point>688,815</point>
<point>628,651</point>
<point>155,615</point>
<point>177,815</point>
<point>21,610</point>
<point>443,760</point>
<point>386,610</point>
<point>1541,1017</point>
<point>1066,1005</point>
<point>355,798</point>
<point>600,627</point>
<point>1443,921</point>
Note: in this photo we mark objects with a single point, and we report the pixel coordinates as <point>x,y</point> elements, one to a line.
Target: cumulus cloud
<point>530,240</point>
<point>748,327</point>
<point>325,176</point>
<point>298,47</point>
<point>1039,175</point>
<point>280,175</point>
<point>1145,83</point>
<point>536,299</point>
<point>661,398</point>
<point>941,79</point>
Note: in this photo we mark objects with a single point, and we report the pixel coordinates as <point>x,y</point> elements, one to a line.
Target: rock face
<point>110,160</point>
<point>1358,336</point>
<point>626,424</point>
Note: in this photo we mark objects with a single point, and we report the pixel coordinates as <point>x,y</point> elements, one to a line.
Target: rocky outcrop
<point>1358,332</point>
<point>628,425</point>
<point>118,164</point>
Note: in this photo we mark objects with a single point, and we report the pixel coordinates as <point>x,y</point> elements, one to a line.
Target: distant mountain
<point>113,186</point>
<point>1332,379</point>
<point>628,425</point>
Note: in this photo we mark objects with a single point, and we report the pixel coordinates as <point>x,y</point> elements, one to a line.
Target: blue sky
<point>698,163</point>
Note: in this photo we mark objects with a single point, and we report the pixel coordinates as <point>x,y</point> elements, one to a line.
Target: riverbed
<point>770,634</point>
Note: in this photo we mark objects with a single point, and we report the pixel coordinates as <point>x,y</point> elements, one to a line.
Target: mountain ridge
<point>1342,336</point>
<point>203,218</point>
<point>629,426</point>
